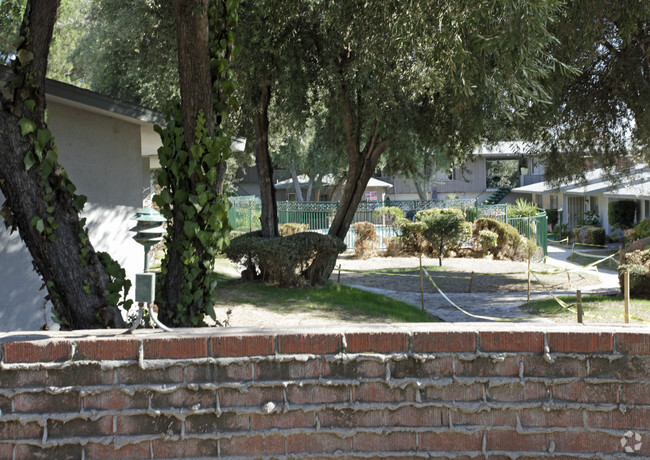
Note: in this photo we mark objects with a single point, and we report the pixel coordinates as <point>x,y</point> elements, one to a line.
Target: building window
<point>451,174</point>
<point>553,201</point>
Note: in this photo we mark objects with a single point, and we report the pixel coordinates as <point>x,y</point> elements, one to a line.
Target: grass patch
<point>589,256</point>
<point>597,309</point>
<point>331,299</point>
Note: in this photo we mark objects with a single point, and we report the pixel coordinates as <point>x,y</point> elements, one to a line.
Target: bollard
<point>579,301</point>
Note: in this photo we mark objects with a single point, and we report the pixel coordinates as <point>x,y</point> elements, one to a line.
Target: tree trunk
<point>193,39</point>
<point>310,187</point>
<point>76,283</point>
<point>296,183</point>
<point>269,217</point>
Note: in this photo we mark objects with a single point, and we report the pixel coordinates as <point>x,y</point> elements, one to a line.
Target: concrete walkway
<point>504,306</point>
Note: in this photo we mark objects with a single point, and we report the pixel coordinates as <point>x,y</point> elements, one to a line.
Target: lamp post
<point>149,230</point>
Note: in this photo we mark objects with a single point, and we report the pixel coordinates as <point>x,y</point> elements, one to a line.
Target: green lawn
<point>597,309</point>
<point>587,255</point>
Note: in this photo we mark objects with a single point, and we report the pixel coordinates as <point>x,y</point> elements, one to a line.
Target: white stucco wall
<point>102,156</point>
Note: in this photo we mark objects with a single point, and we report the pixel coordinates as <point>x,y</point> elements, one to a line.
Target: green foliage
<point>285,261</point>
<point>366,240</point>
<point>410,240</point>
<point>444,228</point>
<point>588,219</point>
<point>621,213</point>
<point>291,228</point>
<point>638,264</point>
<point>561,231</point>
<point>523,208</point>
<point>553,217</point>
<point>510,244</point>
<point>640,230</point>
<point>502,173</point>
<point>488,240</point>
<point>595,236</point>
<point>198,215</point>
<point>390,214</point>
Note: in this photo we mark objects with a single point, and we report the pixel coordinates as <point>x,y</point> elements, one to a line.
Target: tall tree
<point>599,115</point>
<point>84,286</point>
<point>432,73</point>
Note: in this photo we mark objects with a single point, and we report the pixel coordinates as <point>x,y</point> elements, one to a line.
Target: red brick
<point>414,368</point>
<point>110,452</point>
<point>562,367</point>
<point>317,394</point>
<point>252,445</point>
<point>6,451</point>
<point>514,341</point>
<point>44,402</point>
<point>185,398</point>
<point>485,418</point>
<point>175,348</point>
<point>385,442</point>
<point>5,404</point>
<point>286,370</point>
<point>237,346</point>
<point>219,373</point>
<point>64,452</point>
<point>580,342</point>
<point>162,425</point>
<point>185,448</point>
<point>14,429</point>
<point>587,393</point>
<point>80,428</point>
<point>633,343</point>
<point>310,343</point>
<point>632,419</point>
<point>636,393</point>
<point>349,418</point>
<point>18,378</point>
<point>453,392</point>
<point>211,423</point>
<point>116,400</point>
<point>626,368</point>
<point>584,442</point>
<point>483,366</point>
<point>381,392</point>
<point>529,391</point>
<point>86,375</point>
<point>511,441</point>
<point>133,375</point>
<point>291,419</point>
<point>107,349</point>
<point>253,396</point>
<point>317,442</point>
<point>417,416</point>
<point>552,418</point>
<point>37,351</point>
<point>377,342</point>
<point>451,441</point>
<point>359,368</point>
<point>444,342</point>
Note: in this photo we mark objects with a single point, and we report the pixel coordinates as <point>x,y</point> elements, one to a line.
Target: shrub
<point>366,241</point>
<point>288,261</point>
<point>561,231</point>
<point>488,240</point>
<point>471,214</point>
<point>553,217</point>
<point>411,240</point>
<point>510,244</point>
<point>522,208</point>
<point>637,262</point>
<point>291,228</point>
<point>391,214</point>
<point>590,235</point>
<point>444,229</point>
<point>640,230</point>
<point>621,213</point>
<point>637,245</point>
<point>588,219</point>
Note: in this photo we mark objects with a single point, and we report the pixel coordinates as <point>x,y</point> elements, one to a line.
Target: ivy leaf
<point>38,223</point>
<point>26,126</point>
<point>190,228</point>
<point>29,160</point>
<point>30,104</point>
<point>43,136</point>
<point>25,56</point>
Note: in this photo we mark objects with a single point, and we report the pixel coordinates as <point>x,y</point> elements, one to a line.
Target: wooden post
<point>529,276</point>
<point>597,273</point>
<point>471,279</point>
<point>421,283</point>
<point>579,301</point>
<point>568,276</point>
<point>626,292</point>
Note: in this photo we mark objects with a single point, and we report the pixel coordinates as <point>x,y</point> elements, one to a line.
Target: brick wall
<point>443,390</point>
